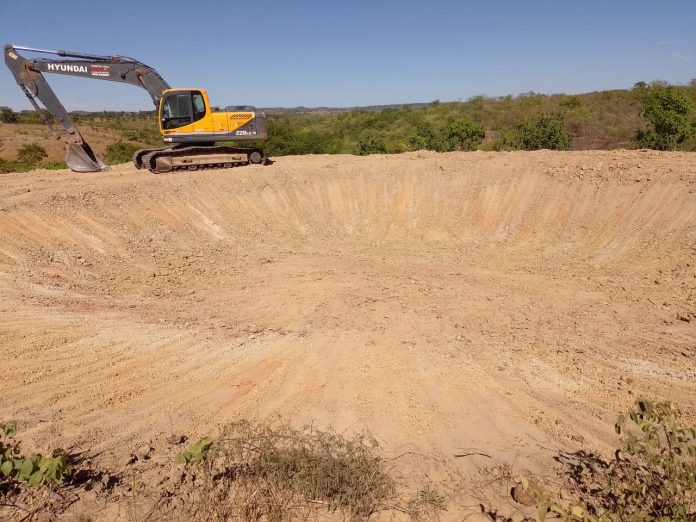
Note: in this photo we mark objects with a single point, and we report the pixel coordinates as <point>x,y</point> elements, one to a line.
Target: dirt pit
<point>502,304</point>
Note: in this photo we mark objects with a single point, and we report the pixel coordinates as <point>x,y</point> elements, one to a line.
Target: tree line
<point>657,116</point>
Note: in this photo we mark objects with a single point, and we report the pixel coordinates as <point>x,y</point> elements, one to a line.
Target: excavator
<point>187,122</point>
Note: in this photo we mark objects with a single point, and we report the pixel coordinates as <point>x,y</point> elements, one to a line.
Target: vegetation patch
<point>652,477</point>
<point>656,115</point>
<point>121,152</point>
<point>29,157</point>
<point>257,472</point>
<point>29,484</point>
<point>668,112</point>
<point>370,144</point>
<point>54,165</point>
<point>545,131</point>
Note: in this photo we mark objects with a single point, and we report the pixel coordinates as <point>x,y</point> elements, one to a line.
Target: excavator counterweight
<point>186,118</point>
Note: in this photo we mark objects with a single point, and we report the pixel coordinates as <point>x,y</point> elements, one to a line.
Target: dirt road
<point>511,303</point>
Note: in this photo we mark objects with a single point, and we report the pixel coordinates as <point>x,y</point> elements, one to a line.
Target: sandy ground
<point>506,303</point>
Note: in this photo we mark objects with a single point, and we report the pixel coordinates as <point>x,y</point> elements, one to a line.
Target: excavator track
<point>138,157</point>
<point>162,161</point>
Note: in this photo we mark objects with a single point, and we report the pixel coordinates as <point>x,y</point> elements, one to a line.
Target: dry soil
<point>509,304</point>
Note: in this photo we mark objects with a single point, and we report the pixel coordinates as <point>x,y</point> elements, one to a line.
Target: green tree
<point>668,112</point>
<point>424,137</point>
<point>370,144</point>
<point>31,154</point>
<point>463,134</point>
<point>545,131</point>
<point>7,115</point>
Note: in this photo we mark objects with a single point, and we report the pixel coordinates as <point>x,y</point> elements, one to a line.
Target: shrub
<point>7,115</point>
<point>7,166</point>
<point>121,152</point>
<point>651,479</point>
<point>424,138</point>
<point>463,134</point>
<point>369,144</point>
<point>149,135</point>
<point>31,154</point>
<point>396,147</point>
<point>545,131</point>
<point>258,472</point>
<point>508,139</point>
<point>668,112</point>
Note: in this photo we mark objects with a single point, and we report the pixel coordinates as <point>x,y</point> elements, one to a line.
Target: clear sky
<point>348,53</point>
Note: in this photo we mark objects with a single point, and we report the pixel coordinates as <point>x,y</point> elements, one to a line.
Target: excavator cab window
<point>182,108</point>
<point>198,105</point>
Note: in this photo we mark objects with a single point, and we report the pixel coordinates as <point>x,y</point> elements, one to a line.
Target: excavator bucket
<point>81,158</point>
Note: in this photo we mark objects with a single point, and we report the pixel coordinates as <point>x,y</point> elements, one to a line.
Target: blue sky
<point>340,53</point>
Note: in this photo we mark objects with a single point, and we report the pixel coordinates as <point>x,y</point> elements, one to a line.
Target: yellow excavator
<point>186,118</point>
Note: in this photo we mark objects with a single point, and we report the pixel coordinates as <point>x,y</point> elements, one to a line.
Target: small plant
<point>196,454</point>
<point>428,504</point>
<point>659,460</point>
<point>430,496</point>
<point>651,479</point>
<point>35,470</point>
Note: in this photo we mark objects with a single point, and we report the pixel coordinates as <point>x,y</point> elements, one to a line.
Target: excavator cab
<point>181,108</point>
<point>186,116</point>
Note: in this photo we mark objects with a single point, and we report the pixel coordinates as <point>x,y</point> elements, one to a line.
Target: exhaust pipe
<point>81,158</point>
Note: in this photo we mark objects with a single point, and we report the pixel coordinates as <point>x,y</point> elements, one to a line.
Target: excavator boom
<point>29,75</point>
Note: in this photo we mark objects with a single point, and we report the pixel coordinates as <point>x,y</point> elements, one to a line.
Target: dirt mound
<point>509,302</point>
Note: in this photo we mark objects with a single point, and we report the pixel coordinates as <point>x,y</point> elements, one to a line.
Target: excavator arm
<point>29,74</point>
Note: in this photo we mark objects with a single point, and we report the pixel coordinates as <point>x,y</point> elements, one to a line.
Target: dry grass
<point>258,472</point>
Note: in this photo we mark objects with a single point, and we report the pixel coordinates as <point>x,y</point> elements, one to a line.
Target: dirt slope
<point>508,302</point>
